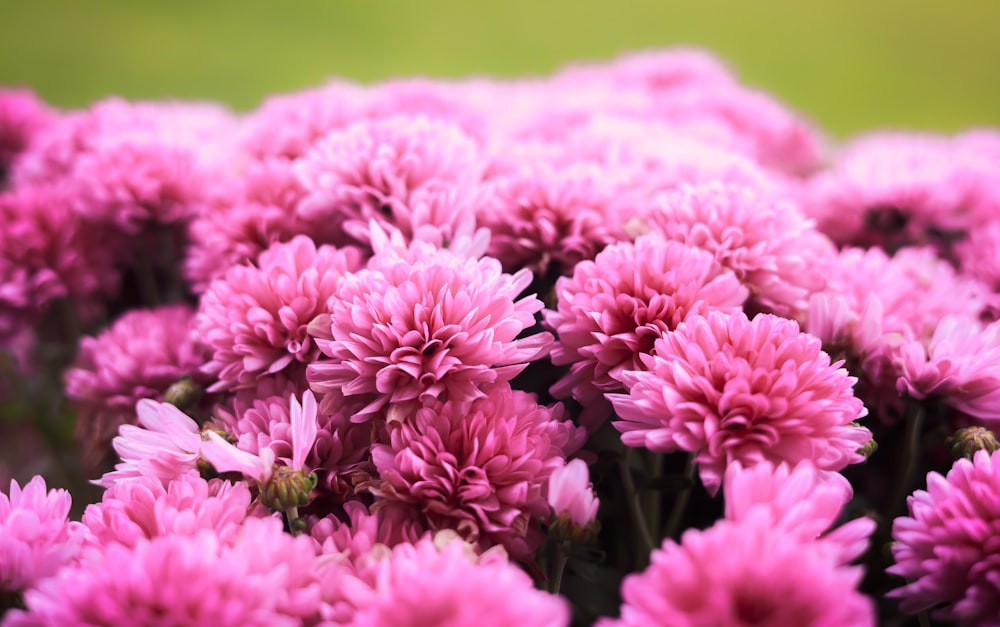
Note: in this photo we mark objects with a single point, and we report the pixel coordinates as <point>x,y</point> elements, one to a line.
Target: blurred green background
<point>850,65</point>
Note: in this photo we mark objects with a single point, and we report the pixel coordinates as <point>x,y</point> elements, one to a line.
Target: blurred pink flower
<point>946,548</point>
<point>22,116</point>
<point>141,355</point>
<point>36,539</point>
<point>478,468</point>
<point>730,389</point>
<point>765,240</point>
<point>613,309</point>
<point>801,501</point>
<point>421,326</point>
<point>744,572</point>
<point>145,508</point>
<point>571,494</point>
<point>370,170</point>
<point>427,584</point>
<point>255,318</point>
<point>261,577</point>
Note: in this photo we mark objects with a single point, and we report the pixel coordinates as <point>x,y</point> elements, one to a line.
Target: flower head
<point>571,495</point>
<point>22,116</point>
<point>733,389</point>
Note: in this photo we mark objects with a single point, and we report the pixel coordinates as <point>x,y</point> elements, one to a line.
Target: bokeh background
<point>850,65</point>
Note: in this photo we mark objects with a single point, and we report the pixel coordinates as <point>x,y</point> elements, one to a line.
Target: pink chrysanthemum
<point>478,468</point>
<point>979,255</point>
<point>144,508</point>
<point>141,355</point>
<point>959,366</point>
<point>613,309</point>
<point>22,116</point>
<point>254,319</point>
<point>732,389</point>
<point>423,325</point>
<point>767,242</point>
<point>164,445</point>
<point>47,253</point>
<point>946,548</point>
<point>355,542</point>
<point>423,584</point>
<point>262,577</point>
<point>542,215</point>
<point>741,574</point>
<point>802,501</point>
<point>370,170</point>
<point>571,494</point>
<point>36,539</point>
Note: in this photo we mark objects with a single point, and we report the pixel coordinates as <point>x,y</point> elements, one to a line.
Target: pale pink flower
<point>571,494</point>
<point>145,508</point>
<point>959,366</point>
<point>764,239</point>
<point>448,101</point>
<point>801,500</point>
<point>614,308</point>
<point>423,325</point>
<point>356,542</point>
<point>164,445</point>
<point>370,170</point>
<point>656,71</point>
<point>22,116</point>
<point>478,468</point>
<point>979,255</point>
<point>425,584</point>
<point>254,319</point>
<point>744,572</point>
<point>732,389</point>
<point>262,577</point>
<point>946,548</point>
<point>141,355</point>
<point>36,539</point>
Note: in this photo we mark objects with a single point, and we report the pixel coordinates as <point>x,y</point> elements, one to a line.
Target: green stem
<point>560,567</point>
<point>652,499</point>
<point>680,503</point>
<point>632,496</point>
<point>908,462</point>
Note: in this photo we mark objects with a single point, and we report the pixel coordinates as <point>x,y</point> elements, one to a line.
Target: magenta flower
<point>422,326</point>
<point>946,548</point>
<point>262,577</point>
<point>145,508</point>
<point>744,573</point>
<point>36,539</point>
<point>424,584</point>
<point>767,242</point>
<point>614,308</point>
<point>22,116</point>
<point>732,389</point>
<point>370,170</point>
<point>141,355</point>
<point>802,501</point>
<point>478,468</point>
<point>254,319</point>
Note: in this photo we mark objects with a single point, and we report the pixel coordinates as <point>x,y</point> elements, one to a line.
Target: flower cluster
<point>443,353</point>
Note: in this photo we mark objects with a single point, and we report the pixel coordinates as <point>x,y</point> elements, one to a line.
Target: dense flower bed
<point>613,346</point>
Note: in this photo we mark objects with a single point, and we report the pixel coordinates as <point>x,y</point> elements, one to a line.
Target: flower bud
<point>183,394</point>
<point>286,489</point>
<point>571,496</point>
<point>965,442</point>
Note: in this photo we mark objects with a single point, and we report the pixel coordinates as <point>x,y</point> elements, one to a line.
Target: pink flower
<point>424,584</point>
<point>946,548</point>
<point>370,170</point>
<point>732,389</point>
<point>22,116</point>
<point>420,326</point>
<point>254,319</point>
<point>141,355</point>
<point>960,366</point>
<point>478,468</point>
<point>165,445</point>
<point>144,508</point>
<point>571,495</point>
<point>767,242</point>
<point>745,572</point>
<point>801,501</point>
<point>979,255</point>
<point>613,309</point>
<point>36,539</point>
<point>262,577</point>
<point>542,214</point>
<point>358,541</point>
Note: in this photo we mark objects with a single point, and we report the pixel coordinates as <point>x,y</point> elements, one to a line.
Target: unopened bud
<point>287,489</point>
<point>868,448</point>
<point>184,393</point>
<point>965,442</point>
